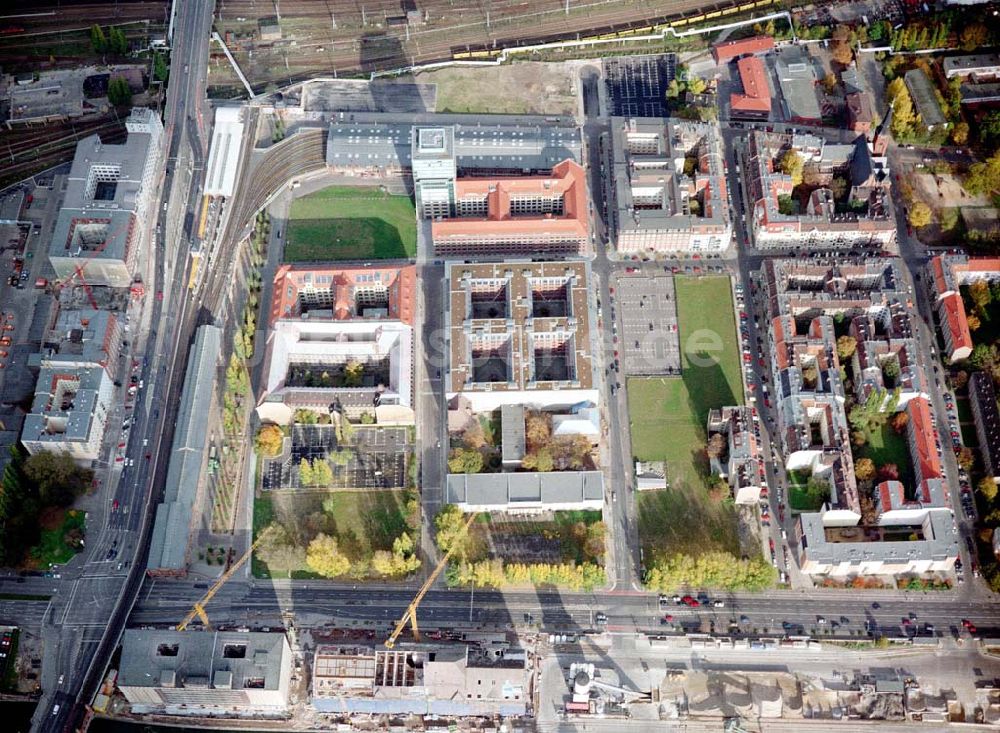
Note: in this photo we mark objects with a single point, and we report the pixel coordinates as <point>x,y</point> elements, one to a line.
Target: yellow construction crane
<point>199,606</point>
<point>411,611</point>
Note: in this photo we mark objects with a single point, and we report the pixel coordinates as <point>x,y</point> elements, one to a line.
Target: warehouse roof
<point>521,489</point>
<point>173,516</point>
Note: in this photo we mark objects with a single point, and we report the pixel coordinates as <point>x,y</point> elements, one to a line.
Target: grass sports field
<point>351,223</point>
<point>668,416</point>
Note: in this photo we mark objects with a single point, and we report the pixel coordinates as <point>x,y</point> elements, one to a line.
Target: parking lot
<point>636,86</point>
<point>377,458</point>
<point>648,340</point>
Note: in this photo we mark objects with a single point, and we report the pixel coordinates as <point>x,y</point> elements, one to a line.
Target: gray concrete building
<point>172,526</point>
<point>526,493</point>
<point>205,673</point>
<point>104,220</point>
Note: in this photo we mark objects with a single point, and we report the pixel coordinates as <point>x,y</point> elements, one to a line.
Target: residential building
<point>742,464</point>
<point>105,218</point>
<point>983,400</point>
<point>947,274</point>
<point>526,492</point>
<point>859,112</point>
<point>168,545</point>
<point>509,215</point>
<point>69,412</point>
<point>382,144</point>
<point>796,73</point>
<point>804,298</point>
<point>987,93</point>
<point>519,332</point>
<point>754,102</point>
<point>82,338</point>
<point>863,219</point>
<point>341,339</point>
<point>344,293</point>
<point>670,187</point>
<point>977,66</point>
<point>924,99</point>
<point>455,680</point>
<point>723,52</point>
<point>205,673</point>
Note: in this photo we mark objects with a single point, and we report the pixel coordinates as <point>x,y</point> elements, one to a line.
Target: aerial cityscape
<point>545,365</point>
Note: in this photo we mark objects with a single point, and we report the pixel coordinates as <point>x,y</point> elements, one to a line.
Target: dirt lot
<point>520,88</point>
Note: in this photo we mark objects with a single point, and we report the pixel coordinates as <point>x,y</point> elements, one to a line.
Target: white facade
<point>69,412</point>
<point>224,155</point>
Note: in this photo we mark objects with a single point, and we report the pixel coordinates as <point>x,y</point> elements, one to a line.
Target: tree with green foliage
<point>401,561</point>
<point>791,163</point>
<point>465,460</point>
<point>160,69</point>
<point>890,368</point>
<point>984,178</point>
<point>305,472</point>
<point>981,294</point>
<point>983,357</point>
<point>817,492</point>
<point>450,532</point>
<point>117,41</point>
<point>58,478</point>
<point>303,416</point>
<point>540,460</point>
<point>709,570</point>
<point>973,36</point>
<point>323,556</point>
<point>353,373</point>
<point>119,92</point>
<point>269,440</point>
<point>960,133</point>
<point>367,418</point>
<point>97,39</point>
<point>322,474</point>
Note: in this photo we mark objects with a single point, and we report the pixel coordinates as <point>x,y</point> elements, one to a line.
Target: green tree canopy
<point>323,556</point>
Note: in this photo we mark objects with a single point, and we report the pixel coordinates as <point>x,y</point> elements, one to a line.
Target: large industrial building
<point>104,219</point>
<point>172,526</point>
<point>864,218</point>
<point>670,187</point>
<point>526,492</point>
<point>519,332</point>
<point>206,673</point>
<point>504,185</point>
<point>909,533</point>
<point>326,322</point>
<point>454,680</point>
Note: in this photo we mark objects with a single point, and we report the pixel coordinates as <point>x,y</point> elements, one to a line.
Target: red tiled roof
<point>756,96</point>
<point>922,442</point>
<point>956,321</point>
<point>732,49</point>
<point>940,281</point>
<point>290,279</point>
<point>568,179</point>
<point>891,494</point>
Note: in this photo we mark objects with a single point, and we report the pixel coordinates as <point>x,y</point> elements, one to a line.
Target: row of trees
<point>495,573</point>
<point>710,570</point>
<point>114,41</point>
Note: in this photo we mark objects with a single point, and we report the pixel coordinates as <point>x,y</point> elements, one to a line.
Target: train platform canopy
<point>224,155</point>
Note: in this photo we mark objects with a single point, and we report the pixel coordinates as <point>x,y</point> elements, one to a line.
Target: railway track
<point>26,152</point>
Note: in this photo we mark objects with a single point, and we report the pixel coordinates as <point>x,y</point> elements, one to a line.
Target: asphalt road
<point>89,611</point>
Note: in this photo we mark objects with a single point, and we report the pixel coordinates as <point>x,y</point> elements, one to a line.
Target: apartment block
<point>342,339</point>
<point>977,66</point>
<point>519,332</point>
<point>421,679</point>
<point>105,219</point>
<point>742,465</point>
<point>947,274</point>
<point>983,399</point>
<point>206,673</point>
<point>809,304</point>
<point>670,188</point>
<point>864,218</point>
<point>82,338</point>
<point>69,412</point>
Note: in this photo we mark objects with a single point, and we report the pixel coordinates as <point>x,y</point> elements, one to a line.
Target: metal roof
<point>513,489</point>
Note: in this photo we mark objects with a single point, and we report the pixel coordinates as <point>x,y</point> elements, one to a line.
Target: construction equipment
<point>78,270</point>
<point>411,611</point>
<point>199,606</point>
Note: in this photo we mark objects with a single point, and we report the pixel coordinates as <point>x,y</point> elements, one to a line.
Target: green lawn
<point>886,446</point>
<point>668,417</point>
<point>351,223</point>
<point>52,548</point>
<point>362,522</point>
